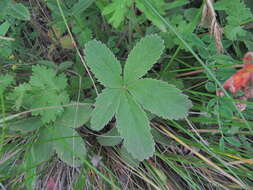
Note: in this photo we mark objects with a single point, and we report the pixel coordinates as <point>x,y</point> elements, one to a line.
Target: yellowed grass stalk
<point>209,162</point>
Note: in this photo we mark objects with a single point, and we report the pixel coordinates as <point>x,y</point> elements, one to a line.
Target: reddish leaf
<point>241,80</point>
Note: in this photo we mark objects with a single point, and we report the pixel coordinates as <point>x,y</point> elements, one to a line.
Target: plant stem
<point>74,43</point>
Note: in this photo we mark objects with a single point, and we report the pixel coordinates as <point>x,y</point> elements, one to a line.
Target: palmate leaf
<point>143,56</point>
<point>106,106</point>
<point>161,98</point>
<point>103,64</point>
<point>133,126</point>
<point>156,96</point>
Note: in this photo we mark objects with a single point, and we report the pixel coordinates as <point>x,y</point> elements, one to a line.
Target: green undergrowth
<point>121,94</point>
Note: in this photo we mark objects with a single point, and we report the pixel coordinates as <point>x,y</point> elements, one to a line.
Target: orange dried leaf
<point>242,79</point>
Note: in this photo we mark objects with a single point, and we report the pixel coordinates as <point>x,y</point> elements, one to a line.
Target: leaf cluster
<point>128,96</point>
<point>44,90</point>
<point>237,15</point>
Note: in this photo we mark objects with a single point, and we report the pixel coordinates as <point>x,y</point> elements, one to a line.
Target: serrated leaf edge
<point>102,44</point>
<point>112,115</point>
<point>135,46</point>
<point>151,136</point>
<point>188,102</point>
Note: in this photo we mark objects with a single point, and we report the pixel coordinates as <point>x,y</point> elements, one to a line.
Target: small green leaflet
<point>42,148</point>
<point>106,106</point>
<point>62,138</point>
<point>26,125</point>
<point>67,137</point>
<point>44,90</point>
<point>103,64</point>
<point>118,10</point>
<point>161,98</point>
<point>5,81</point>
<point>144,57</point>
<point>19,11</point>
<point>4,27</point>
<point>237,14</point>
<point>110,138</point>
<point>125,97</point>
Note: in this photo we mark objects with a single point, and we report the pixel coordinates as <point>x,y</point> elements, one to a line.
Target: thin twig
<point>2,120</point>
<point>75,45</point>
<point>6,38</point>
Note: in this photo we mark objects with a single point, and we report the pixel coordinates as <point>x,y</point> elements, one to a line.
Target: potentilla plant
<point>127,95</point>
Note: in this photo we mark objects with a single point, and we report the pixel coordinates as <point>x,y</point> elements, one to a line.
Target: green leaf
<point>118,10</point>
<point>133,126</point>
<point>26,125</point>
<point>19,95</point>
<point>237,14</point>
<point>19,11</point>
<point>106,106</point>
<point>31,176</point>
<point>64,65</point>
<point>233,141</point>
<point>43,77</point>
<point>159,6</point>
<point>103,64</point>
<point>143,56</point>
<point>4,4</point>
<point>42,149</point>
<point>128,158</point>
<point>161,98</point>
<point>47,90</point>
<point>81,6</point>
<point>221,144</point>
<point>68,144</point>
<point>111,138</point>
<point>5,81</point>
<point>68,141</point>
<point>74,116</point>
<point>160,137</point>
<point>234,32</point>
<point>4,27</point>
